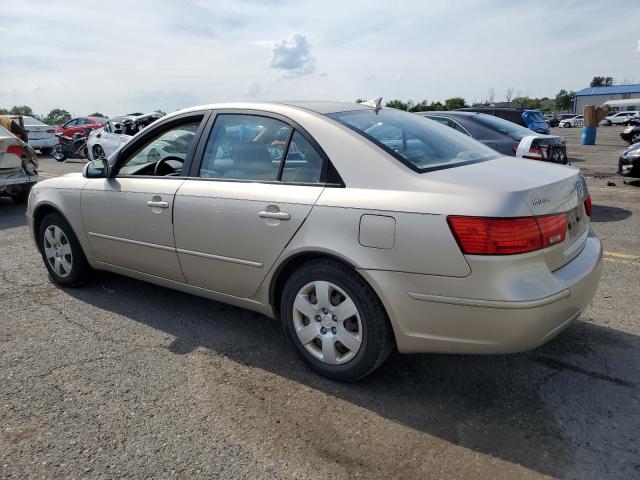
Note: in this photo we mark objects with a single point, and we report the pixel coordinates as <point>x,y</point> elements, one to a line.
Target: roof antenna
<point>376,103</point>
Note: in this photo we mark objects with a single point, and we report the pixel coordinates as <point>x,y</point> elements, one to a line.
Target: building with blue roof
<point>599,95</point>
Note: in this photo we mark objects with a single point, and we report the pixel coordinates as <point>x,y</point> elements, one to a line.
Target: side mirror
<point>96,169</point>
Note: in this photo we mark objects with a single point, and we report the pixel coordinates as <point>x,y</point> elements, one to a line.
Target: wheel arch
<point>41,211</point>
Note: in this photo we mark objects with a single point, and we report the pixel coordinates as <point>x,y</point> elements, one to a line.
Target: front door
<point>252,195</point>
<point>128,218</point>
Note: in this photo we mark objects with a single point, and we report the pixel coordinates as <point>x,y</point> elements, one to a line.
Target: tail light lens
<point>16,150</point>
<point>507,236</point>
<point>587,205</point>
<point>50,131</point>
<point>536,152</point>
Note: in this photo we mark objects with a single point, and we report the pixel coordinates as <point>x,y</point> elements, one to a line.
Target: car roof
<point>452,113</point>
<point>319,107</point>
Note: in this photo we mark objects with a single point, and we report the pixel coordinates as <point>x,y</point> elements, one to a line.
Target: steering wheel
<point>162,161</point>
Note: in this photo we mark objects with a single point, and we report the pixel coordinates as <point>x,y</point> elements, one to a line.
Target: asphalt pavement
<point>125,379</point>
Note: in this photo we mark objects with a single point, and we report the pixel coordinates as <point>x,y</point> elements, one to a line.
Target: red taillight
<point>16,150</point>
<point>50,131</point>
<point>514,148</point>
<point>535,152</point>
<point>507,236</point>
<point>587,205</point>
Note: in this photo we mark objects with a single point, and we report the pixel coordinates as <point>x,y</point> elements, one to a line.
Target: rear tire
<point>61,251</point>
<point>635,138</point>
<point>367,334</point>
<point>59,153</point>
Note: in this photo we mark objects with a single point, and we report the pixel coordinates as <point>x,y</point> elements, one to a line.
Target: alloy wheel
<point>327,322</point>
<point>635,138</point>
<point>58,251</point>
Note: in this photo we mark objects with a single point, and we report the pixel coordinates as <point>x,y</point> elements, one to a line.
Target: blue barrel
<point>588,135</point>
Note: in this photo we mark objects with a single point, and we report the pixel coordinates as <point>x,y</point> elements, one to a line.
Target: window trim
<point>137,142</point>
<point>295,127</point>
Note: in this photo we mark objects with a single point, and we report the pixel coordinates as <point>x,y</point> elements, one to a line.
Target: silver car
<point>361,228</point>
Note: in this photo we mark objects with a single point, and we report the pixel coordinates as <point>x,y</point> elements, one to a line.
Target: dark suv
<point>531,119</point>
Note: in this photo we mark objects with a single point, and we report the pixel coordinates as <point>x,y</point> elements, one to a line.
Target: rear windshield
<point>504,126</point>
<point>422,146</point>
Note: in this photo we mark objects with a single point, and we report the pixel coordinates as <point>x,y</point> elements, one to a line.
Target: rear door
<point>258,177</point>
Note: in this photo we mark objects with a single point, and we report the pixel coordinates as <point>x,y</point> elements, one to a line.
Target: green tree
<point>454,102</point>
<point>564,99</point>
<point>57,116</point>
<point>601,82</point>
<point>399,104</point>
<point>98,114</point>
<point>21,110</point>
<point>4,111</point>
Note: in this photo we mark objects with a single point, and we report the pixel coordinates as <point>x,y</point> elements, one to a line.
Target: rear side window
<point>258,148</point>
<point>303,164</point>
<point>245,147</point>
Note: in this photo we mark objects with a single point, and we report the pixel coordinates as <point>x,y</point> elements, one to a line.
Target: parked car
<point>116,132</point>
<point>40,135</point>
<point>357,243</point>
<point>575,121</point>
<point>506,137</point>
<point>631,134</point>
<point>619,118</point>
<point>18,167</point>
<point>531,119</point>
<point>629,162</point>
<point>80,125</point>
<point>552,120</point>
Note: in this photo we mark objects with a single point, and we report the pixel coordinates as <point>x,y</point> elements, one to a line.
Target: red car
<point>80,125</point>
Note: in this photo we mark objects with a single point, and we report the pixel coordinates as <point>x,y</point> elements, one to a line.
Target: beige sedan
<point>361,228</point>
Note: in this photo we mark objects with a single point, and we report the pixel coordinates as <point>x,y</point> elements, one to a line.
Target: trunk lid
<point>544,188</point>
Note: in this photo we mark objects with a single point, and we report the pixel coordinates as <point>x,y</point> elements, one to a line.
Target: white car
<point>18,167</point>
<point>40,134</point>
<point>116,132</point>
<point>619,118</point>
<point>576,121</point>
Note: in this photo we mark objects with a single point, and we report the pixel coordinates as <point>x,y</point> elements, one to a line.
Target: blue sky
<point>121,56</point>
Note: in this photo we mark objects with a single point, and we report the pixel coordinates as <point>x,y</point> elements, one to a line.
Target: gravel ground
<point>126,379</point>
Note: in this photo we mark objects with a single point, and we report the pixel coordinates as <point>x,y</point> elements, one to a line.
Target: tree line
<point>56,116</point>
<point>563,101</point>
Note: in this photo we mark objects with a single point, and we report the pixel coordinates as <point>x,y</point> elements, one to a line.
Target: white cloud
<point>293,54</point>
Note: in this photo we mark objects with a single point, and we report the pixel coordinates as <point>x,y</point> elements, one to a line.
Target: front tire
<point>98,152</point>
<point>45,151</point>
<point>61,251</point>
<point>635,138</point>
<point>335,321</point>
<point>59,153</point>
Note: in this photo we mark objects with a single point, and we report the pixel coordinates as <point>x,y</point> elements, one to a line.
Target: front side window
<point>164,154</point>
<point>422,146</point>
<point>245,147</point>
<point>71,123</point>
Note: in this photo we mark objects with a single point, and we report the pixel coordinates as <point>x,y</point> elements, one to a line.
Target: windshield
<point>421,145</point>
<point>504,126</point>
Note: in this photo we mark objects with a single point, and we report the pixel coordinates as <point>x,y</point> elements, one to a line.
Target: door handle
<point>276,215</point>
<point>154,204</point>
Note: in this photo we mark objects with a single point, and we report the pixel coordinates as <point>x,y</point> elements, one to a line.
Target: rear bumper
<point>505,322</point>
<point>38,143</point>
